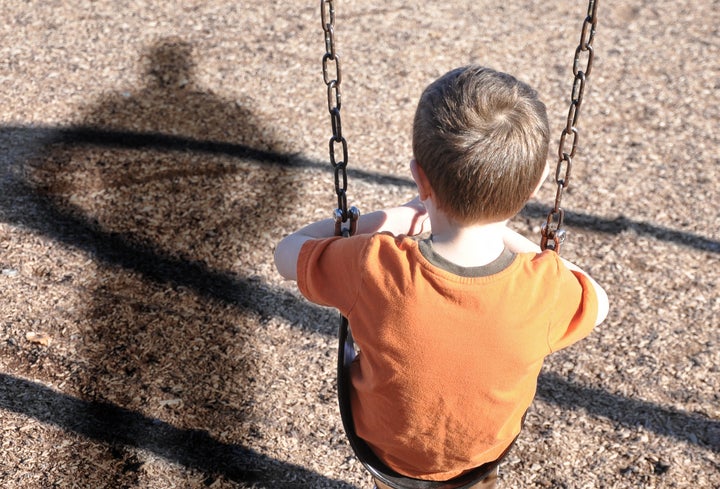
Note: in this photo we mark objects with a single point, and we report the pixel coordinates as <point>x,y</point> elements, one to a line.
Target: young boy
<point>452,328</point>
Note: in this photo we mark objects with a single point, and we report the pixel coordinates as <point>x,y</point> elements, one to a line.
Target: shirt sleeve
<point>329,271</point>
<point>577,306</point>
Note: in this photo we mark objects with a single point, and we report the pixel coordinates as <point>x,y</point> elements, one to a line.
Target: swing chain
<point>553,234</point>
<point>332,76</point>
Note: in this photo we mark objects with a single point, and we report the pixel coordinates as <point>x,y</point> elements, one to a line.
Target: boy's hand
<point>420,223</point>
<point>410,219</point>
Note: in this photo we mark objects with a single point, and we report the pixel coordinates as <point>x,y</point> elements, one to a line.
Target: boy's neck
<point>467,245</point>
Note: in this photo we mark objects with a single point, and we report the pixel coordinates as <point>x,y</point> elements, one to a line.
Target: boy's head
<point>481,138</point>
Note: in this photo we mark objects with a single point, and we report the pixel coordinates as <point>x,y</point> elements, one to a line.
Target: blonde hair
<point>481,137</point>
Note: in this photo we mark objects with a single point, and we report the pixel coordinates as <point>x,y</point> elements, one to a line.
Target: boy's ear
<point>545,174</point>
<point>418,174</point>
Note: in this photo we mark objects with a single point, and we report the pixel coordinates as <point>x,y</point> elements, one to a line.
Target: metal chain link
<point>332,76</point>
<point>553,234</point>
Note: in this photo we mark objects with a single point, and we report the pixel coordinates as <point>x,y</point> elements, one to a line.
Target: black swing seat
<point>371,462</point>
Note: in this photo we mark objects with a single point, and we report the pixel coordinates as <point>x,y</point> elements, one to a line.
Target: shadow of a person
<point>156,187</point>
<point>179,187</point>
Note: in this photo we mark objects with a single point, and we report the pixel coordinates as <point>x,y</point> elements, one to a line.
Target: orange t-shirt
<point>449,356</point>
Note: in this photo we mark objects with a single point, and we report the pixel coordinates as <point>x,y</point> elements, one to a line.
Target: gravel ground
<point>154,152</point>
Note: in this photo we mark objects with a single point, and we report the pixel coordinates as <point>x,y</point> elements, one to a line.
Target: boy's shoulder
<point>358,247</point>
<point>546,264</point>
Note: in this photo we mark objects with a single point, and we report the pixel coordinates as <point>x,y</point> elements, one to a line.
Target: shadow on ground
<point>176,233</point>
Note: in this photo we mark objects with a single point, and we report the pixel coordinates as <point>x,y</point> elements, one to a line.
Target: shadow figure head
<point>169,63</point>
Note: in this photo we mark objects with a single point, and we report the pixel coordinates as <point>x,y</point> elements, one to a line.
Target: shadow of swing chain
<point>110,424</point>
<point>90,136</point>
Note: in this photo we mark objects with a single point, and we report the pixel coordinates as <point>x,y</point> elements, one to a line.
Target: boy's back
<point>449,356</point>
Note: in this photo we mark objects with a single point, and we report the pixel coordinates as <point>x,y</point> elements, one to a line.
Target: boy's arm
<point>409,219</point>
<point>518,243</point>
